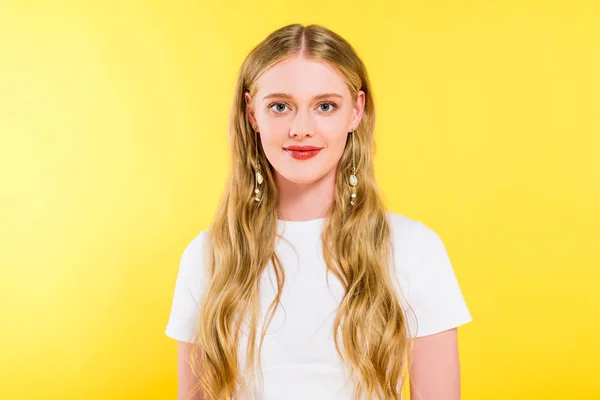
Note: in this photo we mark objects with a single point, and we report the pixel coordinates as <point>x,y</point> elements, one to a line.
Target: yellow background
<point>113,152</point>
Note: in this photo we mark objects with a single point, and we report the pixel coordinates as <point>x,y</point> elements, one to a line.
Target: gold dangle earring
<point>353,178</point>
<point>258,176</point>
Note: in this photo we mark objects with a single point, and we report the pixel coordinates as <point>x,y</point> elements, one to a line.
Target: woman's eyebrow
<point>289,96</point>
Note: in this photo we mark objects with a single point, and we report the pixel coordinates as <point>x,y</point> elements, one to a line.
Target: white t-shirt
<point>299,360</point>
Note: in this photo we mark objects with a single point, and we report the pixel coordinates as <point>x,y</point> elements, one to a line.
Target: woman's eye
<point>279,107</point>
<point>330,106</point>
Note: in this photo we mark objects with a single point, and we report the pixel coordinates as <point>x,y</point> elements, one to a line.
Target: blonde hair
<point>371,334</point>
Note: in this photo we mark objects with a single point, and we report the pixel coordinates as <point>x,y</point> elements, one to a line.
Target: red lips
<point>302,152</point>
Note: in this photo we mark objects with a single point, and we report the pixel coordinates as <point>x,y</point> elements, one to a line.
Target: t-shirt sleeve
<point>184,319</point>
<point>436,297</point>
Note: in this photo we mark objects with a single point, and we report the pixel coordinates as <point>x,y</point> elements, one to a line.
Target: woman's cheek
<point>280,126</point>
<point>273,148</point>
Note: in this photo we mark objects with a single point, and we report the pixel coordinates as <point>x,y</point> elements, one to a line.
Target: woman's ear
<point>250,111</point>
<point>357,110</point>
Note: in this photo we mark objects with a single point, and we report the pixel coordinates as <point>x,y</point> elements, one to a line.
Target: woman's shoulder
<point>407,230</point>
<point>412,239</point>
<point>196,244</point>
<point>426,277</point>
<point>193,258</point>
<point>403,227</point>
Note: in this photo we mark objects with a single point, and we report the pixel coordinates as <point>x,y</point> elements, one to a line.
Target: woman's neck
<point>303,202</point>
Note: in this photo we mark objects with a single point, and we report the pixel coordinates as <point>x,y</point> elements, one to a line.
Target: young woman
<point>304,286</point>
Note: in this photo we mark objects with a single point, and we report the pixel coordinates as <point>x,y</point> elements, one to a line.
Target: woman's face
<point>300,102</point>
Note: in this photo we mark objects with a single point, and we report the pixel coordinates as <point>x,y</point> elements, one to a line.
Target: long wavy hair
<point>371,333</point>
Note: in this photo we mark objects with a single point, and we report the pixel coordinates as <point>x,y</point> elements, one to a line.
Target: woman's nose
<point>302,125</point>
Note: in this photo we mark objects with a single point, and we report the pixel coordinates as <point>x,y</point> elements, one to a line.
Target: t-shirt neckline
<point>300,225</point>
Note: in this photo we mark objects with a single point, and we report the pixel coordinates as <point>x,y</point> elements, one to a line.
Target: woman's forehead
<point>302,79</point>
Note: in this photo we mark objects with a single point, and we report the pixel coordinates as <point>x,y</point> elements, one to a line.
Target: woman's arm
<point>186,381</point>
<point>435,370</point>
